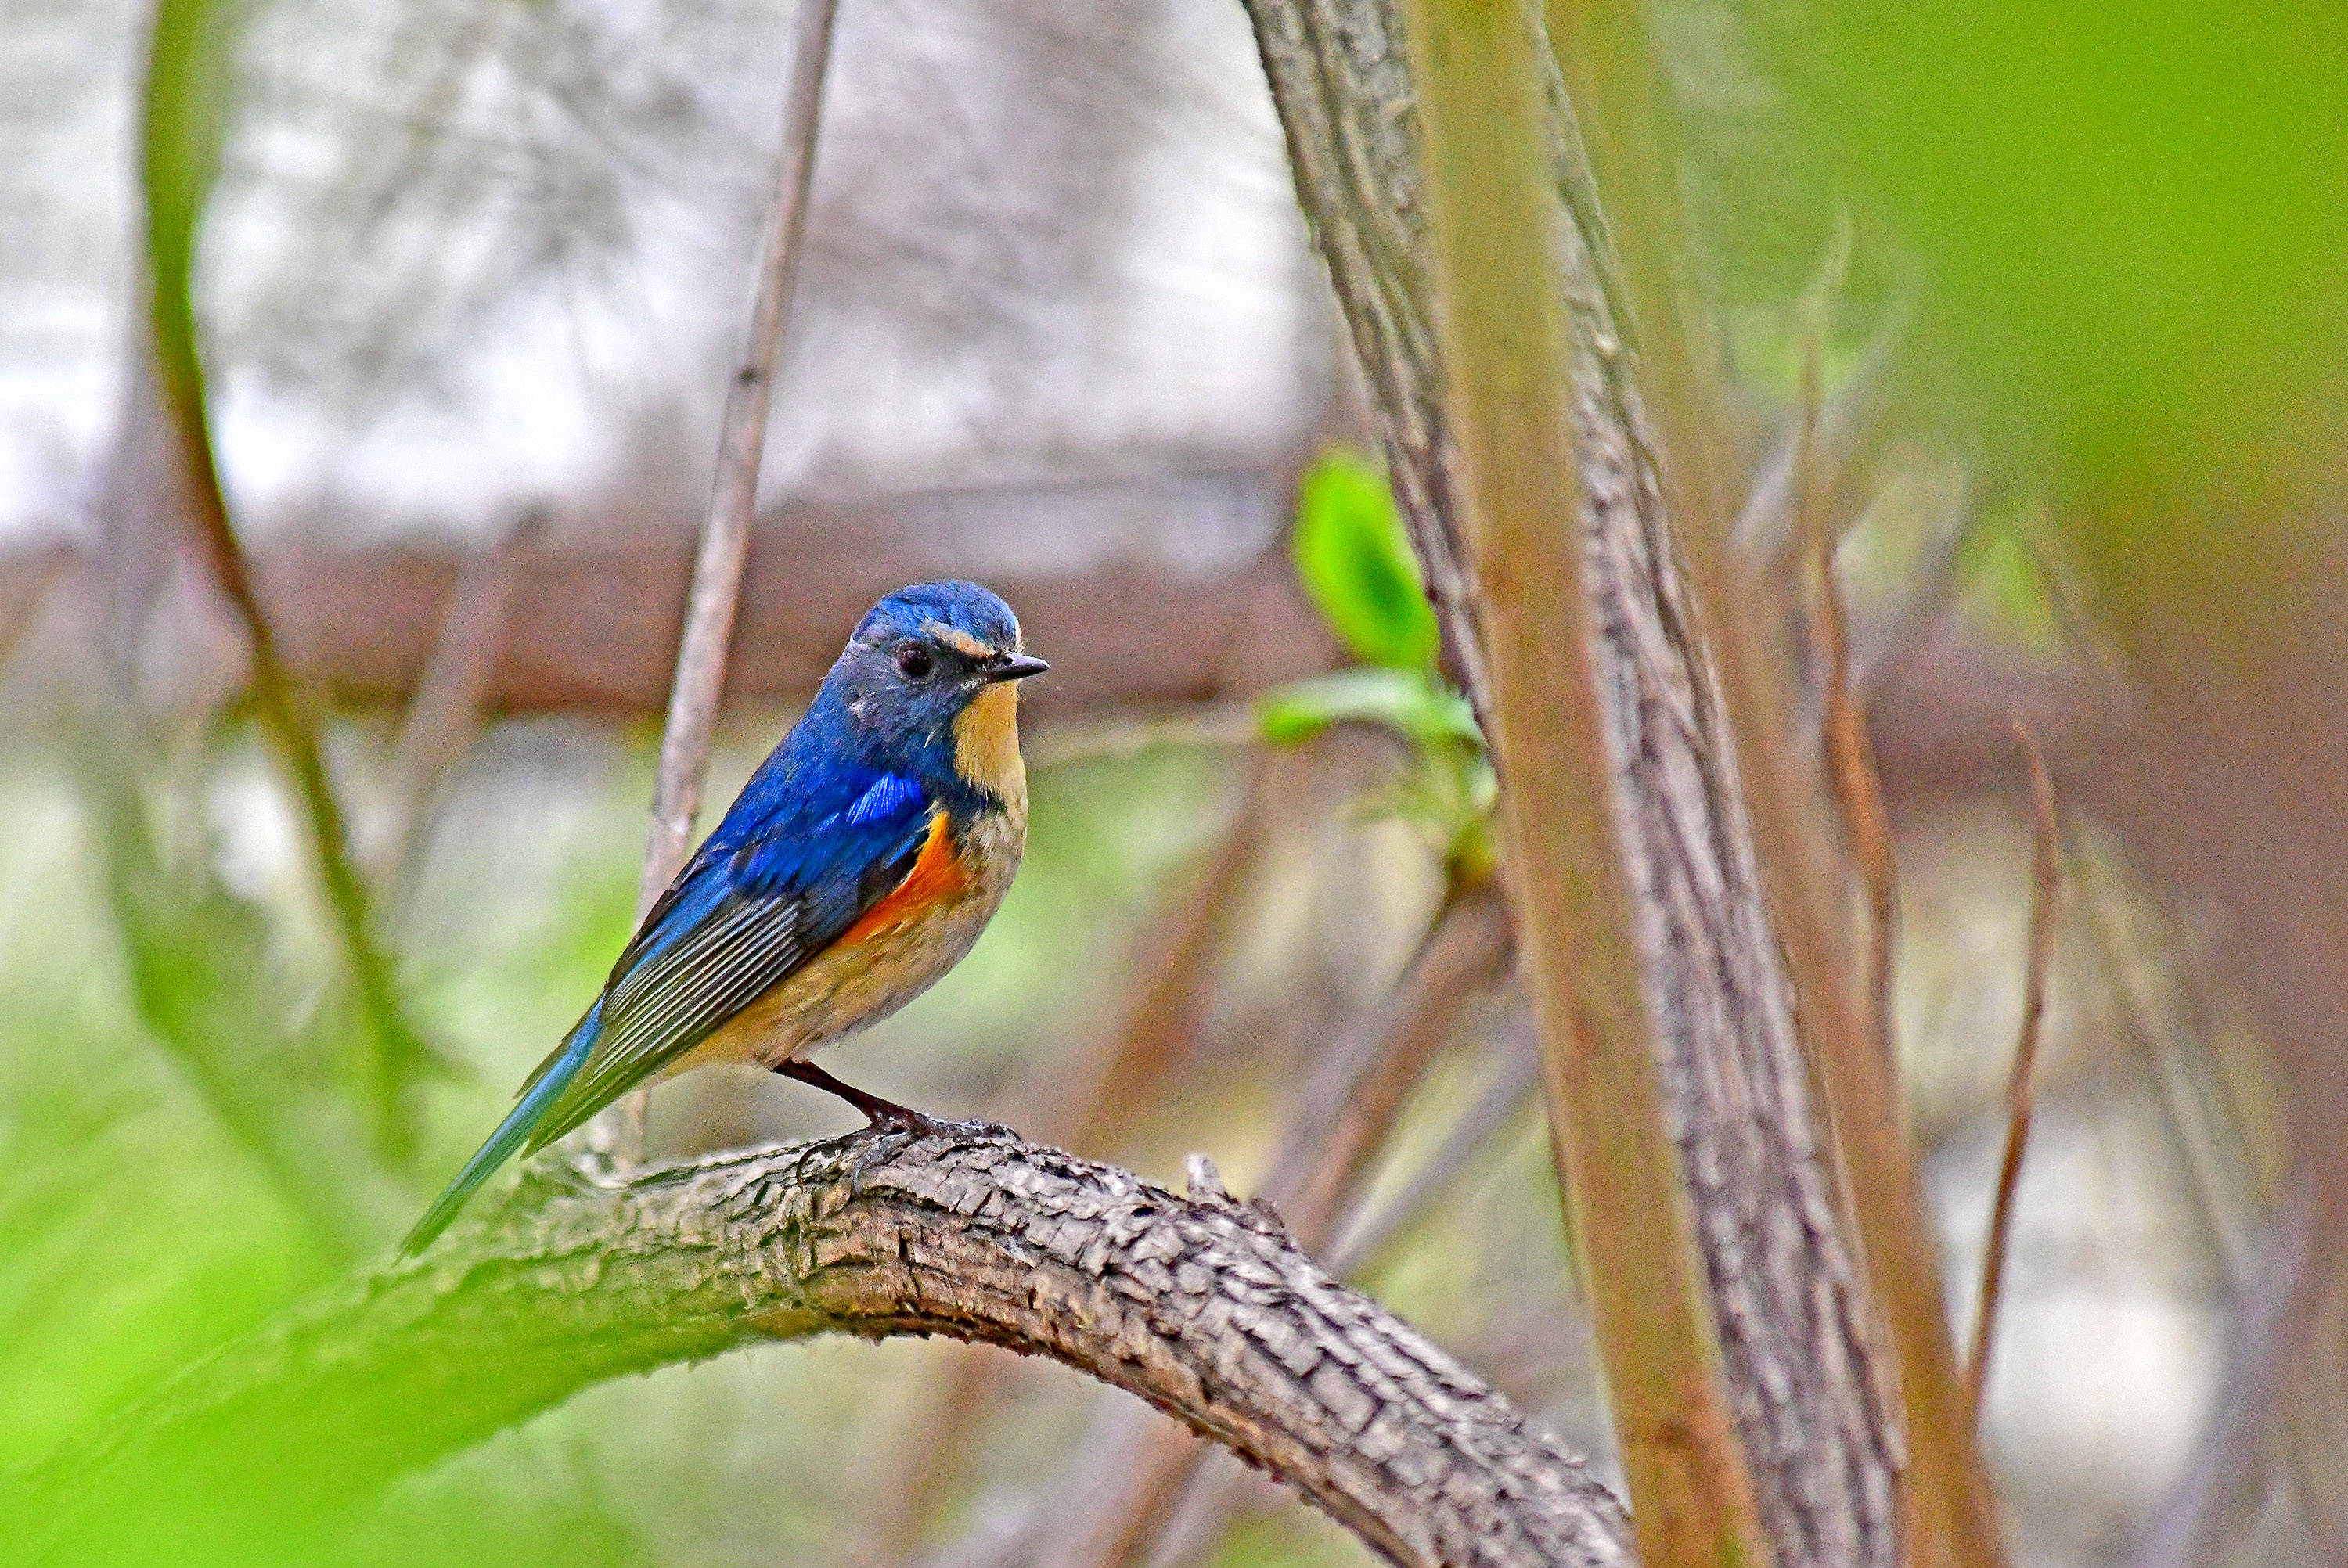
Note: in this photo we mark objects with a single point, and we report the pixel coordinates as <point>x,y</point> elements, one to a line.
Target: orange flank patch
<point>937,878</point>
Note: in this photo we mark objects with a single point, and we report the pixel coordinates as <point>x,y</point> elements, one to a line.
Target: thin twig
<point>2045,867</point>
<point>1769,528</point>
<point>1878,655</point>
<point>446,711</point>
<point>1851,759</point>
<point>1366,1236</point>
<point>724,546</point>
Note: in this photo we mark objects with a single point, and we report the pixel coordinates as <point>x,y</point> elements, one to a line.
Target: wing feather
<point>720,937</point>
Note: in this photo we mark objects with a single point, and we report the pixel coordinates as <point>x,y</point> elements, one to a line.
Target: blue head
<point>927,685</point>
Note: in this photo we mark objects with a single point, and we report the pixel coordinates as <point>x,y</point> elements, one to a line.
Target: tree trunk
<point>1813,1398</point>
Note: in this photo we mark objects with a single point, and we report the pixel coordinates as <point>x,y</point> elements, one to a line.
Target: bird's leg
<point>879,1112</point>
<point>887,1114</point>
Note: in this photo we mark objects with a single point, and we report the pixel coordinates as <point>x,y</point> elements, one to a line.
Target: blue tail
<point>544,1087</point>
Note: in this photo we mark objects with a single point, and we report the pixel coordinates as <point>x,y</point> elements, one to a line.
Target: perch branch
<point>1087,1105</point>
<point>1200,1306</point>
<point>1202,1514</point>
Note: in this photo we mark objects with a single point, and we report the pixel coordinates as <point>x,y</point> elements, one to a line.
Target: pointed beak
<point>1017,667</point>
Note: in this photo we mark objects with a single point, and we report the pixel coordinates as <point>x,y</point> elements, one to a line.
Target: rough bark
<point>1200,1306</point>
<point>1810,1393</point>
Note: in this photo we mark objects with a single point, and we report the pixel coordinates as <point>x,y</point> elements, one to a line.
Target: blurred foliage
<point>2133,217</point>
<point>149,1220</point>
<point>133,1229</point>
<point>1416,704</point>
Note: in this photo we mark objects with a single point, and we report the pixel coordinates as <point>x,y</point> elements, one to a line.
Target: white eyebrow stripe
<point>955,638</point>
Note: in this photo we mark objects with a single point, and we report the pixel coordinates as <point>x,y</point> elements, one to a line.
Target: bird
<point>859,865</point>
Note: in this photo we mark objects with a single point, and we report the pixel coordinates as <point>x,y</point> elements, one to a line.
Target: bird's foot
<point>895,1128</point>
<point>898,1118</point>
<point>879,1142</point>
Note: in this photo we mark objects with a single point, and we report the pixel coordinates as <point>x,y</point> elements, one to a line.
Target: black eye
<point>915,661</point>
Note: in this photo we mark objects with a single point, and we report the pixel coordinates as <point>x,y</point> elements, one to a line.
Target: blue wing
<point>760,898</point>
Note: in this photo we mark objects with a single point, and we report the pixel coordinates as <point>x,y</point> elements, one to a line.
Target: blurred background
<point>470,287</point>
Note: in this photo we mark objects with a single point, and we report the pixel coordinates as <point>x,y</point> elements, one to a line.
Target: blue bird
<point>856,867</point>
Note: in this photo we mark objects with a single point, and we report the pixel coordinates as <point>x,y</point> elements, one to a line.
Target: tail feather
<point>539,1094</point>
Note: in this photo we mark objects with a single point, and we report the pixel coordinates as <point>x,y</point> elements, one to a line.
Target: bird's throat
<point>986,746</point>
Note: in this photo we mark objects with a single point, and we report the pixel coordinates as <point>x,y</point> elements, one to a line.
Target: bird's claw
<point>978,1127</point>
<point>891,1132</point>
<point>887,1138</point>
<point>913,1123</point>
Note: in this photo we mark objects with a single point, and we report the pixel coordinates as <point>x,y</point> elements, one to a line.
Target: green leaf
<point>1409,702</point>
<point>1355,562</point>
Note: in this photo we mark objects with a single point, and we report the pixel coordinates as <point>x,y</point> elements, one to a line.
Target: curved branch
<point>1200,1306</point>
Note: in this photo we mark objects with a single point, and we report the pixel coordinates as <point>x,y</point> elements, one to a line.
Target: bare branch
<point>725,547</point>
<point>597,607</point>
<point>1201,1307</point>
<point>2045,873</point>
